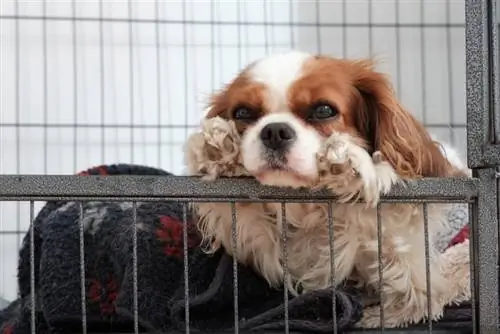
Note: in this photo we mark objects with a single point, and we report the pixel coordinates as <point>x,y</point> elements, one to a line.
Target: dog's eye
<point>244,114</point>
<point>322,112</point>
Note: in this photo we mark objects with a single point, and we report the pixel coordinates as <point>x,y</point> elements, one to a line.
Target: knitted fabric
<point>109,276</point>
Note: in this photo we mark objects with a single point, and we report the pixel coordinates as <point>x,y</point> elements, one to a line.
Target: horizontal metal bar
<point>235,23</point>
<point>36,187</point>
<point>100,126</point>
<point>159,126</point>
<point>413,329</point>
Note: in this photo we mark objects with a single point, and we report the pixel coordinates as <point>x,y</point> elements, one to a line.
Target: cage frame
<point>480,192</point>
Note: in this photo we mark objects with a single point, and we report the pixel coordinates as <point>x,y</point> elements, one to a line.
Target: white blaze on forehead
<point>278,72</point>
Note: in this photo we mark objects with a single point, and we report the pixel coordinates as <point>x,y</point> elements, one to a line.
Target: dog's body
<point>344,130</point>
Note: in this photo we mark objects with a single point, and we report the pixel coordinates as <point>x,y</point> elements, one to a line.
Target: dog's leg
<point>215,150</point>
<point>351,173</point>
<point>455,267</point>
<point>404,289</point>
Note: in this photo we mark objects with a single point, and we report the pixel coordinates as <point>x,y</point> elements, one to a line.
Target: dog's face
<point>285,105</point>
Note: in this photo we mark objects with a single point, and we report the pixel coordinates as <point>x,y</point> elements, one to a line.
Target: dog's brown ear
<point>217,105</point>
<point>392,130</point>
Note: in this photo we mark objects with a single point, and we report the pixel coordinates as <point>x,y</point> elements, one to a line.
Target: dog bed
<point>161,293</point>
<point>161,297</point>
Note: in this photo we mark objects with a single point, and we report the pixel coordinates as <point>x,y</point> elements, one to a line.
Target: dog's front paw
<point>215,150</point>
<point>386,175</point>
<point>347,169</point>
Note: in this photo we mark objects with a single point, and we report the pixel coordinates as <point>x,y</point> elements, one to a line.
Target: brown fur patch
<point>242,91</point>
<point>368,109</point>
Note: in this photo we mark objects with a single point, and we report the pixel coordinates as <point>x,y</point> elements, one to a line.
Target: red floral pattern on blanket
<point>460,237</point>
<point>103,294</point>
<point>171,234</point>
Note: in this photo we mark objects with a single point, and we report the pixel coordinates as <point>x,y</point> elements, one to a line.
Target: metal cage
<point>117,58</point>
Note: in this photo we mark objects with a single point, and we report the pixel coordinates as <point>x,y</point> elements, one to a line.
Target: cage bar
<point>427,266</point>
<point>496,70</point>
<point>135,268</point>
<point>482,74</point>
<point>32,268</point>
<point>284,258</point>
<point>180,188</point>
<point>234,246</point>
<point>186,265</point>
<point>332,266</point>
<point>83,294</point>
<point>219,22</point>
<point>485,255</point>
<point>380,271</point>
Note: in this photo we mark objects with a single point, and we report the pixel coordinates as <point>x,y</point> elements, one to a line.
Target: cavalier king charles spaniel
<point>299,120</point>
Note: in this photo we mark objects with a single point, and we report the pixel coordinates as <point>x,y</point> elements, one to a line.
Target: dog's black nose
<point>277,136</point>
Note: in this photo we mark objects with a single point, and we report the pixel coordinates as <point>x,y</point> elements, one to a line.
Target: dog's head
<point>284,105</point>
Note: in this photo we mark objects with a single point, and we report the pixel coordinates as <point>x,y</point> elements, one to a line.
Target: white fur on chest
<point>355,238</point>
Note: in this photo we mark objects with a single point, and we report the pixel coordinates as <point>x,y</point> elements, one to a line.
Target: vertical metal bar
<point>247,34</point>
<point>212,44</point>
<point>423,63</point>
<point>17,66</point>
<point>102,82</point>
<point>194,68</point>
<point>75,85</point>
<point>344,28</point>
<point>131,78</point>
<point>113,85</point>
<point>166,91</point>
<point>495,64</point>
<point>140,102</point>
<point>266,26</point>
<point>318,27</point>
<point>480,78</point>
<point>219,43</point>
<point>380,269</point>
<point>186,69</point>
<point>398,49</point>
<point>134,267</point>
<point>332,266</point>
<point>186,264</point>
<point>449,61</point>
<point>234,246</point>
<point>472,269</point>
<point>370,28</point>
<point>158,80</point>
<point>45,90</point>
<point>82,267</point>
<point>485,235</point>
<point>238,32</point>
<point>427,266</point>
<point>292,27</point>
<point>284,237</point>
<point>271,19</point>
<point>32,267</point>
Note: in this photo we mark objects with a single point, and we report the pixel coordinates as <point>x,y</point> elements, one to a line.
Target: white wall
<point>194,58</point>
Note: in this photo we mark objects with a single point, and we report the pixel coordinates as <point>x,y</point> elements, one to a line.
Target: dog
<point>298,120</point>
